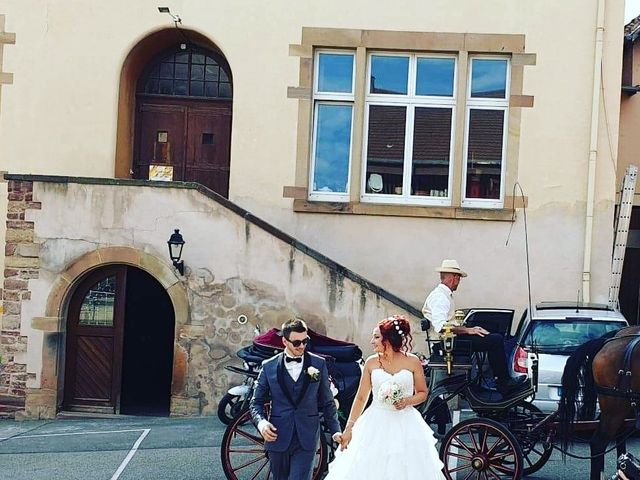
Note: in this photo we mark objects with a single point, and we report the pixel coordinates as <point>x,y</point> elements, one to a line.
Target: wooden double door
<point>119,347</point>
<point>191,136</point>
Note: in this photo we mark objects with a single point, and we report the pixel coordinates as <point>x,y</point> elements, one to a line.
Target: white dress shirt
<point>439,307</point>
<point>294,368</point>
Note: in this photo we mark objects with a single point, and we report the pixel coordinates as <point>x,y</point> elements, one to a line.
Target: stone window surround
<point>364,41</point>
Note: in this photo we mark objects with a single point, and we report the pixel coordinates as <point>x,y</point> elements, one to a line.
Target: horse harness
<point>624,388</point>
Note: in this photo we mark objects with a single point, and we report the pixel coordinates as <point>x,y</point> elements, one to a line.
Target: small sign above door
<point>161,173</point>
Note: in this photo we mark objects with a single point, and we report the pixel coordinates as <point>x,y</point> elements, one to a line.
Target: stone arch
<point>139,56</point>
<point>64,286</point>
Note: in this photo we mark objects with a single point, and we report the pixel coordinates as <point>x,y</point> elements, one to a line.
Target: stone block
<point>21,262</point>
<point>56,296</point>
<point>83,264</point>
<point>12,308</point>
<point>14,235</point>
<point>120,255</point>
<point>46,324</point>
<point>162,272</point>
<point>11,322</point>
<point>15,284</point>
<point>29,249</point>
<point>184,406</point>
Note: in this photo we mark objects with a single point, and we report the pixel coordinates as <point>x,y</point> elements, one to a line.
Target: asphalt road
<point>140,448</point>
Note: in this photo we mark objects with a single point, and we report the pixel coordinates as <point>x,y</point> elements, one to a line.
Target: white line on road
<point>132,452</point>
<point>72,433</point>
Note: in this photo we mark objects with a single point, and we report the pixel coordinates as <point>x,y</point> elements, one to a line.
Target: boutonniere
<point>314,373</point>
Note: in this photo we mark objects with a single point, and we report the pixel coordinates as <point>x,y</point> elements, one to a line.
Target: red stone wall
<point>21,265</point>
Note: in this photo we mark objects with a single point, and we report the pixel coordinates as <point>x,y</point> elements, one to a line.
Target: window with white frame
<point>333,94</point>
<point>409,135</point>
<point>486,132</point>
<point>409,122</point>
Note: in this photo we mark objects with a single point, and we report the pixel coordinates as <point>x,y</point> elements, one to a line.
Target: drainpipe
<point>593,152</point>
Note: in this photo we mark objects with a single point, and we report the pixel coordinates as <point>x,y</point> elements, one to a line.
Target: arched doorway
<point>183,118</point>
<point>119,348</point>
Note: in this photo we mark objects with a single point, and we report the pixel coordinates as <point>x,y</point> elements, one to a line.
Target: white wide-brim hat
<point>451,266</point>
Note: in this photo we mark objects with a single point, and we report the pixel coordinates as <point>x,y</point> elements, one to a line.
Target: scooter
<point>237,398</point>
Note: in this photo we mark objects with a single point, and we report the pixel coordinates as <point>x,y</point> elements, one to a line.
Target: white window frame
<point>331,98</point>
<point>410,101</point>
<point>486,104</point>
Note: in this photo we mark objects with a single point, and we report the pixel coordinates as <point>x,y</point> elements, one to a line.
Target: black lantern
<point>176,242</point>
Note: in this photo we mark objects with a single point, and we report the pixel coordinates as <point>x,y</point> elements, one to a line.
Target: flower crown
<point>396,324</point>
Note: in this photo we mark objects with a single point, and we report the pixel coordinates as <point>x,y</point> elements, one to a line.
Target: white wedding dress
<point>389,444</point>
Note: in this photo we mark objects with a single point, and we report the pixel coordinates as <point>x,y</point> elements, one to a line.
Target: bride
<point>390,439</point>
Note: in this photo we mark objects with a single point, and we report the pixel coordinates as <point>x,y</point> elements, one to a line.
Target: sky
<point>631,10</point>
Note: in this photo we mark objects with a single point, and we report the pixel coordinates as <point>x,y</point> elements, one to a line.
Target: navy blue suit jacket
<point>287,413</point>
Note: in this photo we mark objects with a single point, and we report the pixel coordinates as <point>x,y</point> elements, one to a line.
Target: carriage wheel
<point>481,449</point>
<point>536,450</point>
<point>244,457</point>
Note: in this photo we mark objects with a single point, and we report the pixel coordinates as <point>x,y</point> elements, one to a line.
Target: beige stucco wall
<point>59,117</point>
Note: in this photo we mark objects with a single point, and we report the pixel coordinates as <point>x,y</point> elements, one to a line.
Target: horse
<point>596,371</point>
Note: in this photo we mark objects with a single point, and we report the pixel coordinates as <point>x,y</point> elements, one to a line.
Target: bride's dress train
<point>389,444</point>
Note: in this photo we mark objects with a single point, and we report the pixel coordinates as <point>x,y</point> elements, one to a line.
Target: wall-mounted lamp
<point>176,242</point>
<point>176,18</point>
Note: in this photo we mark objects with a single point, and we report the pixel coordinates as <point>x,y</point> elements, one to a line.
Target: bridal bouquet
<point>390,393</point>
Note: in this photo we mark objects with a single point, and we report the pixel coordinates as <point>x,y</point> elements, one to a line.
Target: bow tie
<point>293,359</point>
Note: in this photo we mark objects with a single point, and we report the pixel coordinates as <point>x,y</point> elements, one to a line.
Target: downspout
<point>593,153</point>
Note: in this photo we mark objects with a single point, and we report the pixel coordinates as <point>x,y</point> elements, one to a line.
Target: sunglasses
<point>297,343</point>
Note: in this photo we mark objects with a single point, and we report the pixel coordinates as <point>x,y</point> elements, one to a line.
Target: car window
<point>550,334</point>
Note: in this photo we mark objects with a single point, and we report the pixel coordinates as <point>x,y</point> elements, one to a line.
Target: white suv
<point>554,330</point>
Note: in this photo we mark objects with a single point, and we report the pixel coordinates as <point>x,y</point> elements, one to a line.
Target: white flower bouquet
<point>390,393</point>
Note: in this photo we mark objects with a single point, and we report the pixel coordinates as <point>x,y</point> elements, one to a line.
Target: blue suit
<point>295,408</point>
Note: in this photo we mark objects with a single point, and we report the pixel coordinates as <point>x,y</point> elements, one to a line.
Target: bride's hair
<point>396,331</point>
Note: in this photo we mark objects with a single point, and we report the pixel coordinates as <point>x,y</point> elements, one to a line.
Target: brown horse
<point>592,368</point>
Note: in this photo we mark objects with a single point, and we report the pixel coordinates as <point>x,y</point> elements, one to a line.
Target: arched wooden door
<point>183,118</point>
<point>120,339</point>
<point>94,341</point>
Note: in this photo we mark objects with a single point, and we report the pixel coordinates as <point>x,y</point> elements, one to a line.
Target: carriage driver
<point>439,308</point>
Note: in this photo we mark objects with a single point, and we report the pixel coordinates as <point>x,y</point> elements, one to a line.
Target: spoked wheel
<point>536,450</point>
<point>244,457</point>
<point>481,449</point>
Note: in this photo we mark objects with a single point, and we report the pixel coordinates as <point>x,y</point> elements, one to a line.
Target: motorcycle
<point>236,400</point>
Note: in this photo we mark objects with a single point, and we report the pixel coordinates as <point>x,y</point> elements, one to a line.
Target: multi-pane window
<point>333,120</point>
<point>409,114</point>
<point>409,135</point>
<point>486,132</point>
<point>193,73</point>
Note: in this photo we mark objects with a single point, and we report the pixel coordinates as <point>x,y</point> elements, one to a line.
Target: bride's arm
<point>364,389</point>
<point>419,386</point>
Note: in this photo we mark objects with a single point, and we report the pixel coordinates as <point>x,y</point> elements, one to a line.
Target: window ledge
<point>356,208</point>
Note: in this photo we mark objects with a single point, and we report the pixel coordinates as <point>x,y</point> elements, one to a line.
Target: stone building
<point>319,160</point>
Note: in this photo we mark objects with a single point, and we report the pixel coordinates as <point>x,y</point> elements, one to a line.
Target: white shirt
<point>294,368</point>
<point>439,307</point>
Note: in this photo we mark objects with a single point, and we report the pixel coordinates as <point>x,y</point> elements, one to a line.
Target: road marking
<point>454,461</point>
<point>73,433</point>
<point>130,455</point>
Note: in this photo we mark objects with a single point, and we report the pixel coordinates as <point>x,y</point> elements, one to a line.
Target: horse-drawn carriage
<point>507,438</point>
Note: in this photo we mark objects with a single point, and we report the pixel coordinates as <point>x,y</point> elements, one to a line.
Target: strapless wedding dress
<point>389,444</point>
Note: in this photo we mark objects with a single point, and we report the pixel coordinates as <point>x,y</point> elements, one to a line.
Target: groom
<point>297,384</point>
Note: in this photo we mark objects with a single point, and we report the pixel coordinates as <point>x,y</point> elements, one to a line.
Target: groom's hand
<point>268,432</point>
